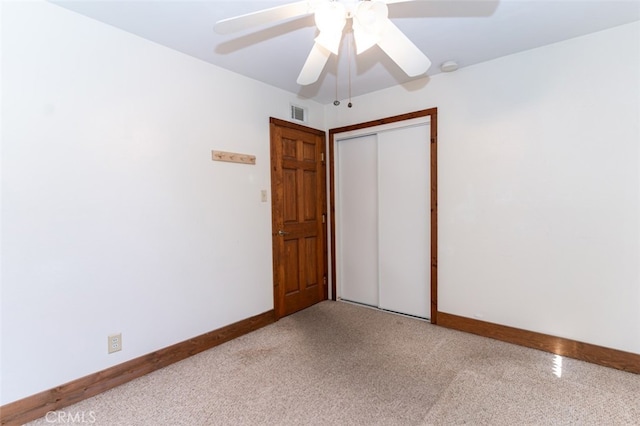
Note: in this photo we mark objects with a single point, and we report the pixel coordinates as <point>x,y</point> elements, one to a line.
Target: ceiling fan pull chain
<point>349,61</point>
<point>335,61</point>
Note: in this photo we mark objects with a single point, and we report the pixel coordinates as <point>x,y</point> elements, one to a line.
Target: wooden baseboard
<point>38,405</point>
<point>607,357</point>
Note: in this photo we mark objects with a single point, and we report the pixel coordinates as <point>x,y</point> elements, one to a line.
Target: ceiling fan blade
<point>442,8</point>
<point>314,65</point>
<point>262,17</point>
<point>402,50</point>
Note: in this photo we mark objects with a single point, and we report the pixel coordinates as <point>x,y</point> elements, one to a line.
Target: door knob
<point>282,233</point>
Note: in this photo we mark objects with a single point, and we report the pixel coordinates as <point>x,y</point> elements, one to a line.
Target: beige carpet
<point>341,364</point>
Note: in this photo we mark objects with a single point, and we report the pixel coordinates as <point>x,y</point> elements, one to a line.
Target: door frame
<point>432,113</point>
<point>276,194</point>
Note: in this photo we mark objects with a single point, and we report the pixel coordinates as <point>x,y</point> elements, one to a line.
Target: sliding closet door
<point>357,220</point>
<point>404,240</point>
<point>383,218</point>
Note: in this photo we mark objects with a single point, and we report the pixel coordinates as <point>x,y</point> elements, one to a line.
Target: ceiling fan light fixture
<point>371,15</point>
<point>368,24</point>
<point>331,17</point>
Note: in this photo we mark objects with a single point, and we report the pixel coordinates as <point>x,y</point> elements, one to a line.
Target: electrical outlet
<point>115,343</point>
<point>263,195</point>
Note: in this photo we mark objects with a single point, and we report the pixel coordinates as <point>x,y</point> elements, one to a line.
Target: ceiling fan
<point>369,21</point>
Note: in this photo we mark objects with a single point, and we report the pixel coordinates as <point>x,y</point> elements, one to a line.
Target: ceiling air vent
<point>298,113</point>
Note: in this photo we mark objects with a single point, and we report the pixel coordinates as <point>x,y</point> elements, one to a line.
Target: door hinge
<point>324,280</point>
<point>322,157</point>
<point>324,218</point>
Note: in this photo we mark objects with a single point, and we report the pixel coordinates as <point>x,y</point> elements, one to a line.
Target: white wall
<point>539,186</point>
<point>114,217</point>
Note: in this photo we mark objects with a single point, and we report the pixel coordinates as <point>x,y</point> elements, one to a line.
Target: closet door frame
<point>432,113</point>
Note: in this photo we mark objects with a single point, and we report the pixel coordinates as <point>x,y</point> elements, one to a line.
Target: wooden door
<point>298,216</point>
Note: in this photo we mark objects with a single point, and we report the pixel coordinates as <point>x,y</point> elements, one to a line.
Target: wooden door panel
<point>299,206</point>
<point>310,188</point>
<point>289,148</point>
<point>310,262</point>
<point>290,199</point>
<point>309,152</point>
<point>291,282</point>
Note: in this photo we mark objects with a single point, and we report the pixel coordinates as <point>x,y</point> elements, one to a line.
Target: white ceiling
<point>467,31</point>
